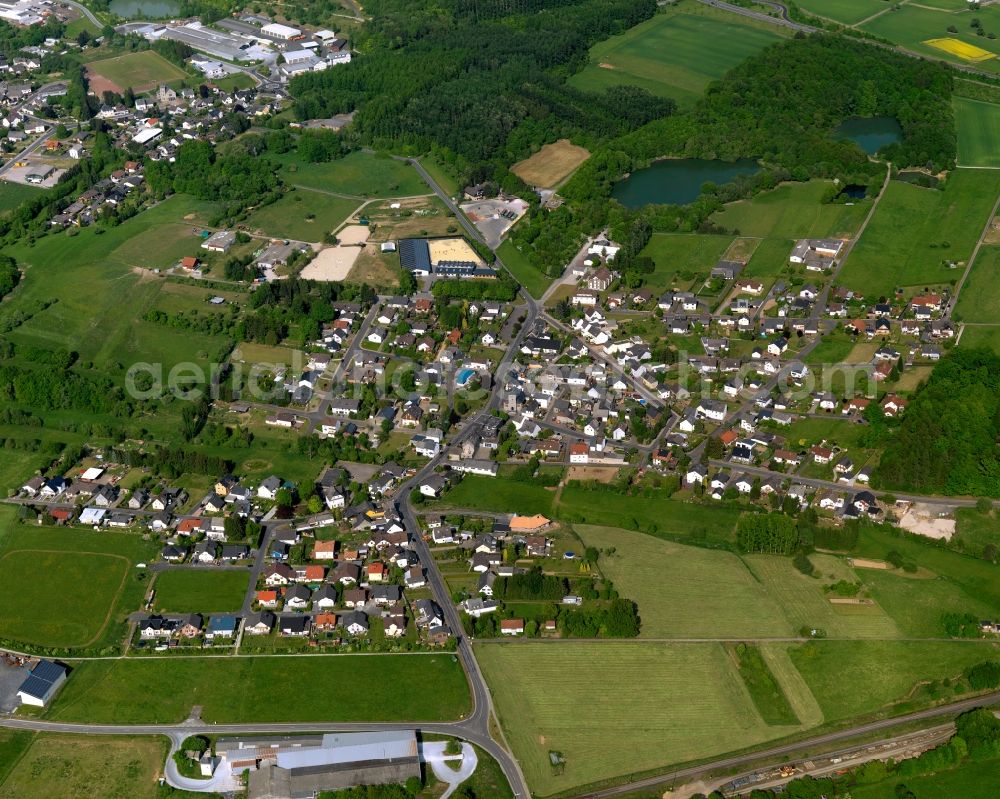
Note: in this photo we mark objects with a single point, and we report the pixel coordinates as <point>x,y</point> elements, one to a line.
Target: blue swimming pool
<point>463,376</point>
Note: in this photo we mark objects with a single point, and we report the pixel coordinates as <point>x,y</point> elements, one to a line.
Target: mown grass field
<point>847,11</point>
<point>360,174</point>
<point>77,766</point>
<point>915,231</point>
<point>978,125</point>
<point>37,586</point>
<point>683,259</point>
<point>68,588</point>
<point>552,164</point>
<point>99,298</point>
<point>980,297</point>
<point>615,709</point>
<point>793,211</point>
<point>13,744</point>
<point>857,678</point>
<point>252,689</point>
<point>686,592</point>
<point>804,603</point>
<point>142,70</point>
<point>912,26</point>
<point>194,591</point>
<point>303,215</point>
<point>518,265</point>
<point>675,54</point>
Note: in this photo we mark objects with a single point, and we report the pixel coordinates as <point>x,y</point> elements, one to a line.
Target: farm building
<point>281,768</point>
<point>42,683</point>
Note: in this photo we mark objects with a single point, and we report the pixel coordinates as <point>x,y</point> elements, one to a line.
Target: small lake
<point>678,181</point>
<point>871,134</point>
<point>147,9</point>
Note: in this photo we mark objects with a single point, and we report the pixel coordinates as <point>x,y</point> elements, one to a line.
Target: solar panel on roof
<point>33,686</point>
<point>48,671</point>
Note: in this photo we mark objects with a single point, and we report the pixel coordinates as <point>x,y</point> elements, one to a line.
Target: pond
<point>678,181</point>
<point>871,134</point>
<point>147,9</point>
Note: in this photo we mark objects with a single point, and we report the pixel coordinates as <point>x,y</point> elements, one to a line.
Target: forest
<point>947,442</point>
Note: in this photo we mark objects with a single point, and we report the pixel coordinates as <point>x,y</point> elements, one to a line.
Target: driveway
<point>434,756</point>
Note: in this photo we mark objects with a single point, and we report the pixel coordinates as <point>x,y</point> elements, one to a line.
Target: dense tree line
<point>503,289</point>
<point>172,462</point>
<point>10,275</point>
<point>61,389</point>
<point>947,441</point>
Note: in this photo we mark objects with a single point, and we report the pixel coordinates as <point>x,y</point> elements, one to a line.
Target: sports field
<point>980,295</point>
<point>78,766</point>
<point>793,211</point>
<point>552,164</point>
<point>195,591</point>
<point>675,54</point>
<point>687,592</point>
<point>326,688</point>
<point>916,232</point>
<point>142,71</point>
<point>978,126</point>
<point>45,572</point>
<point>358,174</point>
<point>615,709</point>
<point>302,214</point>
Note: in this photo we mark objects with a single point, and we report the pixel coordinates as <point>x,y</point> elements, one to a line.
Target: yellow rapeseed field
<point>964,50</point>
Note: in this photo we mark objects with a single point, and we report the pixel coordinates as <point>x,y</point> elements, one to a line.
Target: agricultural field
<point>988,337</point>
<point>916,232</point>
<point>683,260</point>
<point>133,691</point>
<point>357,174</point>
<point>975,530</point>
<point>302,214</point>
<point>972,780</point>
<point>925,30</point>
<point>92,276</point>
<point>805,604</point>
<point>656,515</point>
<point>849,12</point>
<point>793,211</point>
<point>477,492</point>
<point>142,71</point>
<point>859,678</point>
<point>197,591</point>
<point>666,703</point>
<point>13,194</point>
<point>686,592</point>
<point>917,604</point>
<point>77,766</point>
<point>978,125</point>
<point>43,569</point>
<point>551,165</point>
<point>524,273</point>
<point>980,296</point>
<point>675,54</point>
